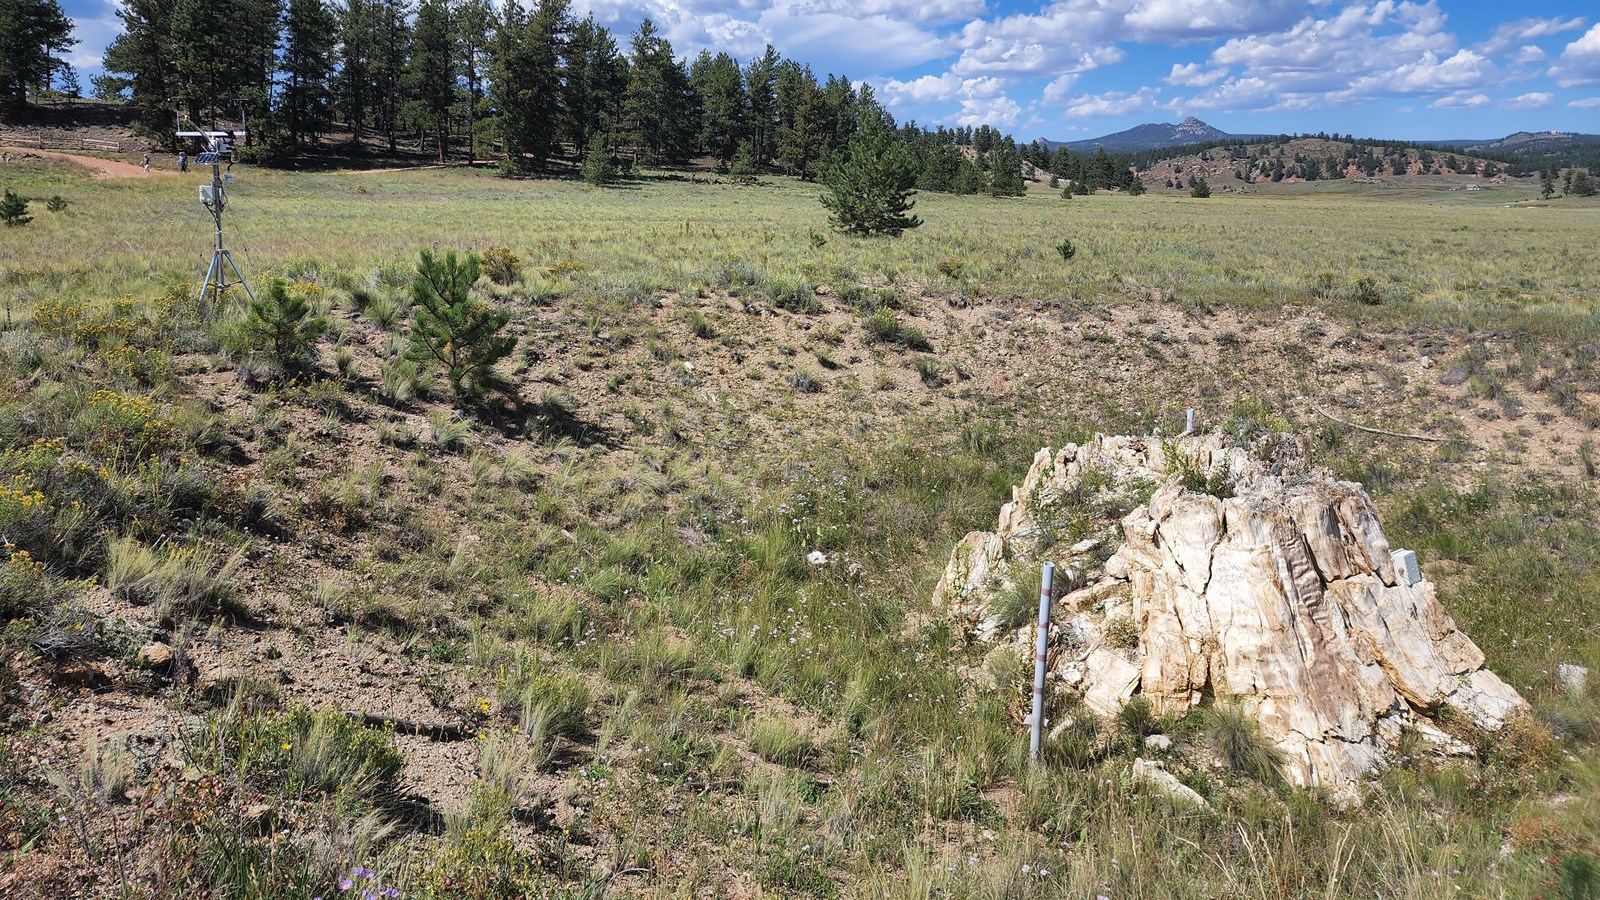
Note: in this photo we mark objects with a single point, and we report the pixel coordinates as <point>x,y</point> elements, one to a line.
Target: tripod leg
<point>213,276</point>
<point>238,274</point>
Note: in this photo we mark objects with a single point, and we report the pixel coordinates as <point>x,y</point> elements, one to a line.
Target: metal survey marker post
<point>1036,727</point>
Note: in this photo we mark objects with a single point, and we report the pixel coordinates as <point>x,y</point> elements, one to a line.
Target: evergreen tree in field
<point>142,57</point>
<point>802,116</point>
<point>595,78</point>
<point>761,89</point>
<point>14,210</point>
<point>281,324</point>
<point>1005,164</point>
<point>430,79</point>
<point>1547,185</point>
<point>203,56</point>
<point>1583,185</point>
<point>656,104</point>
<point>305,69</point>
<point>526,83</point>
<point>598,167</point>
<point>474,25</point>
<point>940,169</point>
<point>1200,189</point>
<point>389,66</point>
<point>359,38</point>
<point>720,86</point>
<point>454,329</point>
<point>1136,186</point>
<point>33,34</point>
<point>870,186</point>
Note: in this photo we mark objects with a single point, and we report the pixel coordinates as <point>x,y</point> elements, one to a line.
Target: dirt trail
<point>102,168</point>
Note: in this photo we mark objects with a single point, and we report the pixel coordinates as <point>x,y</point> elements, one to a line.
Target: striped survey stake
<point>1036,721</point>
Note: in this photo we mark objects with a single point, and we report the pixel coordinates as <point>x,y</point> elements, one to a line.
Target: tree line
<point>541,84</point>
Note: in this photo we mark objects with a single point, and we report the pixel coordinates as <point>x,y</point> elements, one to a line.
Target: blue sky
<point>1080,68</point>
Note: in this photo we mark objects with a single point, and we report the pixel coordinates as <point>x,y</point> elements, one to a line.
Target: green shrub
<point>1138,716</point>
<point>181,583</point>
<point>1193,475</point>
<point>1200,189</point>
<point>884,327</point>
<point>795,295</point>
<point>1066,249</point>
<point>1076,746</point>
<point>501,265</point>
<point>56,203</point>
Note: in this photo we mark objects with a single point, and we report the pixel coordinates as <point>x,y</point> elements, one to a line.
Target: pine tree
<point>761,89</point>
<point>598,167</point>
<point>869,189</point>
<point>802,111</point>
<point>474,25</point>
<point>389,66</point>
<point>1547,185</point>
<point>720,87</point>
<point>1005,166</point>
<point>430,79</point>
<point>14,210</point>
<point>142,56</point>
<point>306,67</point>
<point>1200,189</point>
<point>525,83</point>
<point>33,34</point>
<point>656,103</point>
<point>595,78</point>
<point>359,39</point>
<point>452,328</point>
<point>281,324</point>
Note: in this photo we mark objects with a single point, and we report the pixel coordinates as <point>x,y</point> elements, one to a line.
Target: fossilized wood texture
<point>1283,598</point>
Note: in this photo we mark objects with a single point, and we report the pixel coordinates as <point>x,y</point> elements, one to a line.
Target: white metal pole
<point>1036,727</point>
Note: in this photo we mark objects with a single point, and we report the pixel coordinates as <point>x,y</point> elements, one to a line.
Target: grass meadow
<point>602,586</point>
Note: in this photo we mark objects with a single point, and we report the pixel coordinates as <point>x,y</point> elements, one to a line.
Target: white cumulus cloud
<point>1532,100</point>
<point>1580,61</point>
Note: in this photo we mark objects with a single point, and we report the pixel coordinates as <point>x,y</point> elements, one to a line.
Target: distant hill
<point>1533,141</point>
<point>1250,166</point>
<point>1152,136</point>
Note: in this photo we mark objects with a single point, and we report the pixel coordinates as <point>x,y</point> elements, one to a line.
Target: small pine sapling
<point>454,329</point>
<point>280,324</point>
<point>14,210</point>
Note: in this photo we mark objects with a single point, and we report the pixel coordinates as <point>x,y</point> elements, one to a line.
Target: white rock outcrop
<point>1247,577</point>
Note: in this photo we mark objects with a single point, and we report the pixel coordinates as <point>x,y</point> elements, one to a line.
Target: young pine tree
<point>452,328</point>
<point>870,187</point>
<point>14,210</point>
<point>1199,188</point>
<point>281,325</point>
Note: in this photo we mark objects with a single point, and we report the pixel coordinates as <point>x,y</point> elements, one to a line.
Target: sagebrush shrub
<point>501,265</point>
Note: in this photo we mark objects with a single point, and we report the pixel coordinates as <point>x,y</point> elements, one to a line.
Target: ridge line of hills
<point>1162,135</point>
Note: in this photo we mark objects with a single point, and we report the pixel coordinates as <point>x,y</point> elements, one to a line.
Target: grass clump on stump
<point>870,187</point>
<point>454,329</point>
<point>1237,739</point>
